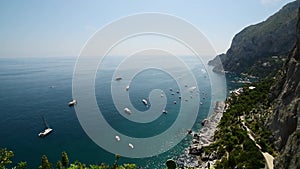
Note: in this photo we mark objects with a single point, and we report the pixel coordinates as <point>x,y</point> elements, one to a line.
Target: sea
<point>37,88</point>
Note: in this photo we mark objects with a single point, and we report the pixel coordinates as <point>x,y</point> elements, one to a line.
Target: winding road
<point>268,157</point>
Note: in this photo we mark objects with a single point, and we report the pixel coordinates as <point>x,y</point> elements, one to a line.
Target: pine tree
<point>59,165</point>
<point>115,166</point>
<point>64,159</point>
<point>45,163</point>
<point>21,165</point>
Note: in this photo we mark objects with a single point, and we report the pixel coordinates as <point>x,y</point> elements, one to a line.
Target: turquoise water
<point>34,87</point>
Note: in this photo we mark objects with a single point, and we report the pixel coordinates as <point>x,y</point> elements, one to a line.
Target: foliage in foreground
<point>6,155</point>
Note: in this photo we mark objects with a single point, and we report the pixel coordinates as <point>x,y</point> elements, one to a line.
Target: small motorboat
<point>165,111</point>
<point>130,145</point>
<point>72,103</point>
<point>145,102</point>
<point>127,88</point>
<point>127,111</point>
<point>45,132</point>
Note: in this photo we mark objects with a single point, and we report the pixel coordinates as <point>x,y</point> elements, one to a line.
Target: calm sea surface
<point>32,88</point>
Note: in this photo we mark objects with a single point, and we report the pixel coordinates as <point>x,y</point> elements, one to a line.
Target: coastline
<point>194,156</point>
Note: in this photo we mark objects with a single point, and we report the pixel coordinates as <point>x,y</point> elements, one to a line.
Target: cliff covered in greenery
<point>268,49</point>
<point>262,48</point>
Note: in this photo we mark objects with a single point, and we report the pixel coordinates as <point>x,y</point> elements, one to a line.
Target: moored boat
<point>145,102</point>
<point>45,132</point>
<point>72,103</point>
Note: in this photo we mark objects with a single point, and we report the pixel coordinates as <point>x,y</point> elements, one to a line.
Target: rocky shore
<point>194,155</point>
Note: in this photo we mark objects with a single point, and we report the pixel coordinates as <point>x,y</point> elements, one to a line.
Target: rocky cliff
<point>257,49</point>
<point>285,118</point>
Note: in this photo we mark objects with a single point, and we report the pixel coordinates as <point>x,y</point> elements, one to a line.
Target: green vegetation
<point>6,155</point>
<point>233,146</point>
<point>171,164</point>
<point>5,159</point>
<point>267,66</point>
<point>45,163</point>
<point>59,165</point>
<point>64,159</point>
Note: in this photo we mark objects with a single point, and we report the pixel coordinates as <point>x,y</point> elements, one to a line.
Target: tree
<point>64,159</point>
<point>59,165</point>
<point>116,161</point>
<point>21,165</point>
<point>45,163</point>
<point>5,157</point>
<point>171,164</point>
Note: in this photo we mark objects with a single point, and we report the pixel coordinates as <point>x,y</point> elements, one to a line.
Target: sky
<point>35,28</point>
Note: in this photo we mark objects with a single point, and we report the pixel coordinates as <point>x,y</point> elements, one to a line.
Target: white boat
<point>72,103</point>
<point>192,89</point>
<point>130,145</point>
<point>127,88</point>
<point>45,132</point>
<point>251,87</point>
<point>127,111</point>
<point>145,101</point>
<point>165,111</point>
<point>47,129</point>
<point>118,138</point>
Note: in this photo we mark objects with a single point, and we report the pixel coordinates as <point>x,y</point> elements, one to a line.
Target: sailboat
<point>47,129</point>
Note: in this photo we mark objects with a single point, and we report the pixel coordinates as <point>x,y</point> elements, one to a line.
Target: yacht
<point>72,103</point>
<point>45,132</point>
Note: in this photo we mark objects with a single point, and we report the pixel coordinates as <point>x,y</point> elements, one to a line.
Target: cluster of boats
<point>118,139</point>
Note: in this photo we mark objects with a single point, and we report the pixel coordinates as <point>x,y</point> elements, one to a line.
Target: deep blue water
<point>31,88</point>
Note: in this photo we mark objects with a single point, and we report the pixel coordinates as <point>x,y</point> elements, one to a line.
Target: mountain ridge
<point>254,46</point>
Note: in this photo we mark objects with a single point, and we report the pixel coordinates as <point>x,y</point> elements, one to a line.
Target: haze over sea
<point>31,88</point>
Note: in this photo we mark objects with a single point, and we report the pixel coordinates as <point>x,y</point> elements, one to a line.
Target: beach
<point>194,156</point>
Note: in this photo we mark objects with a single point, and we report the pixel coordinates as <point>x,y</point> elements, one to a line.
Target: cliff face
<point>285,118</point>
<point>257,45</point>
<point>254,46</point>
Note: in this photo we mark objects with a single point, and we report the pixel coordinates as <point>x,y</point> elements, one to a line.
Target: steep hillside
<point>259,49</point>
<point>285,118</point>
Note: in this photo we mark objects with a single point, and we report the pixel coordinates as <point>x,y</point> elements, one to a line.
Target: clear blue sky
<point>61,28</point>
